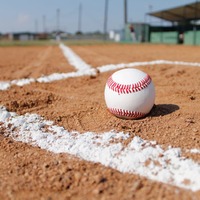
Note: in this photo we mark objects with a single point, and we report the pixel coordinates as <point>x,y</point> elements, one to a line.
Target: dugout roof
<point>179,14</point>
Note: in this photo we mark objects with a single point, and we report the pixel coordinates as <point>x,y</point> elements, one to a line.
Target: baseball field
<point>58,140</point>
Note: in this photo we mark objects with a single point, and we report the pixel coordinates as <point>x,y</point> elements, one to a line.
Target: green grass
<point>70,42</point>
<point>6,43</point>
<point>83,42</point>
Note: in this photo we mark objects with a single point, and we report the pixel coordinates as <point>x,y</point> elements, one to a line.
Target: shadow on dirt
<point>163,109</point>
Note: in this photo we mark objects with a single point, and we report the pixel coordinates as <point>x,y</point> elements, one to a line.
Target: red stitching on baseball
<point>129,88</point>
<point>126,113</point>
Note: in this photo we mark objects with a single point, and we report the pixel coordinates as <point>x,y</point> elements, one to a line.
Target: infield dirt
<point>28,172</point>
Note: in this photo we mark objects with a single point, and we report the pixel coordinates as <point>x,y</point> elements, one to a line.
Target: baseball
<point>129,94</point>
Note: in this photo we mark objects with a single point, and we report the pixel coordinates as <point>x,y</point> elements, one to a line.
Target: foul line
<point>141,157</point>
<point>4,85</point>
<point>83,69</point>
<point>73,58</point>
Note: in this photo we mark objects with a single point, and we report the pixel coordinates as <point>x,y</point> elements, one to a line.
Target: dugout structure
<point>185,28</point>
<point>141,31</point>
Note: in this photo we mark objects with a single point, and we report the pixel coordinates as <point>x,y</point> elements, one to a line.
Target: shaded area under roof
<point>180,14</point>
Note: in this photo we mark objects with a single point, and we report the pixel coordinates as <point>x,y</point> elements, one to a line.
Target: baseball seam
<point>128,88</point>
<point>126,113</point>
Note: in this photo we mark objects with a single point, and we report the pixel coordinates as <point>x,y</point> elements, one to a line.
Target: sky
<point>40,15</point>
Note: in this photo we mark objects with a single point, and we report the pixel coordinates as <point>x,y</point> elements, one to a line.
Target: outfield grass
<point>5,43</point>
<point>86,42</point>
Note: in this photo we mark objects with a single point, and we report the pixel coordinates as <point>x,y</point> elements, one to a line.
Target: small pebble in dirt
<point>192,98</point>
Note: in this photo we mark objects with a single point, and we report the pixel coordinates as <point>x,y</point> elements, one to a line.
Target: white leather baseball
<point>129,93</point>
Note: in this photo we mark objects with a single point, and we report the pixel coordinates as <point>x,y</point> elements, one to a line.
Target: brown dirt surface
<point>31,62</point>
<point>28,172</point>
<point>125,53</point>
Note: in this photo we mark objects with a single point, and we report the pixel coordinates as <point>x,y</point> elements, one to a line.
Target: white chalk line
<point>166,166</point>
<point>83,69</point>
<point>172,168</point>
<point>74,59</point>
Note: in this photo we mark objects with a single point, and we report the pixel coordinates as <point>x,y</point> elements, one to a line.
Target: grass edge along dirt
<point>6,43</point>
